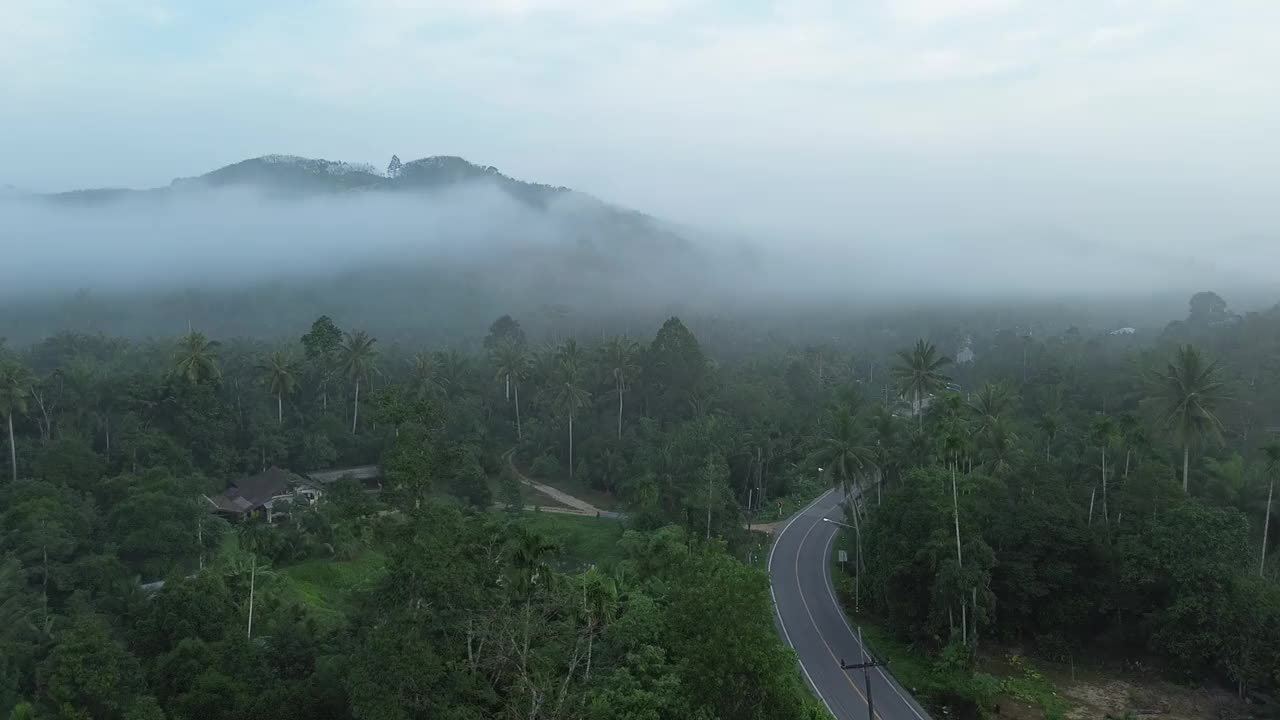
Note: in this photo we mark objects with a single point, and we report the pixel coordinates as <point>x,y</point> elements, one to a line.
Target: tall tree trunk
<point>955,502</point>
<point>919,412</point>
<point>1106,517</point>
<point>619,409</point>
<point>279,408</point>
<point>106,426</point>
<point>1266,528</point>
<point>44,590</point>
<point>13,449</point>
<point>1092,494</point>
<point>1186,465</point>
<point>709,477</point>
<point>519,435</point>
<point>356,414</point>
<point>570,444</point>
<point>253,576</point>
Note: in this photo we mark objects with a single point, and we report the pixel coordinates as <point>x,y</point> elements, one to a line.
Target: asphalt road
<point>813,624</point>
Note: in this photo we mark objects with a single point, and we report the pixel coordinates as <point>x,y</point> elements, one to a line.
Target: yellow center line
<point>816,629</point>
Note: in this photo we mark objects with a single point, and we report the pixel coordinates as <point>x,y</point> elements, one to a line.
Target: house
<point>260,493</point>
<point>1123,331</point>
<point>370,476</point>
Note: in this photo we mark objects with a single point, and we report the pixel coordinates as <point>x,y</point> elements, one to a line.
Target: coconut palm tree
<point>991,403</point>
<point>280,376</point>
<point>918,374</point>
<point>196,358</point>
<point>512,365</point>
<point>1190,390</point>
<point>358,358</point>
<point>569,397</point>
<point>599,608</point>
<point>619,356</point>
<point>15,387</point>
<point>844,452</point>
<point>423,376</point>
<point>999,447</point>
<point>452,370</point>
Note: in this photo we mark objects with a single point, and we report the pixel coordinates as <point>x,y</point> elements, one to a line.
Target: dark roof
<point>363,472</point>
<point>253,492</point>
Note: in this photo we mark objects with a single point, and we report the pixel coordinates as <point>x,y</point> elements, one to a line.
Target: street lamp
<point>857,563</point>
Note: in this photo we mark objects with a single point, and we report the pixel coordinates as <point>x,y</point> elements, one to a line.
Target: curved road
<point>814,625</point>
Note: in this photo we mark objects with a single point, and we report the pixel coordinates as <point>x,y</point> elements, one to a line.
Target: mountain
<point>439,243</point>
<point>292,177</point>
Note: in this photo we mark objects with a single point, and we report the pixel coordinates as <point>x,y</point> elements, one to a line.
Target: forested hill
<point>290,176</point>
<point>437,243</point>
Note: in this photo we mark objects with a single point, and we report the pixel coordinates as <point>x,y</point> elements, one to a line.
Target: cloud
<point>1149,122</point>
<point>937,11</point>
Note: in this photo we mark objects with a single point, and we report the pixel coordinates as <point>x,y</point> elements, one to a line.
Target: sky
<point>1138,123</point>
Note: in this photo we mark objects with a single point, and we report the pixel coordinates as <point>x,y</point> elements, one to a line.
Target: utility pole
<point>867,663</point>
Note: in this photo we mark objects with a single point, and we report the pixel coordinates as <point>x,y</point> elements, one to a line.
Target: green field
<point>328,586</point>
<point>583,541</point>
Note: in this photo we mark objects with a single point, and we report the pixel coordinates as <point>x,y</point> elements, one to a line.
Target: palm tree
<point>599,607</point>
<point>280,375</point>
<point>918,373</point>
<point>452,368</point>
<point>991,403</point>
<point>999,445</point>
<point>1190,390</point>
<point>512,365</point>
<point>843,450</point>
<point>528,554</point>
<point>569,397</point>
<point>1272,454</point>
<point>358,357</point>
<point>423,376</point>
<point>619,356</point>
<point>15,386</point>
<point>196,358</point>
<point>569,353</point>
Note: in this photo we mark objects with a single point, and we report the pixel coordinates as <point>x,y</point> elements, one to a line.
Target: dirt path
<point>581,506</point>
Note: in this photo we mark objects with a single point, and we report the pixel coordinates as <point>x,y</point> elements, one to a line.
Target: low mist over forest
<point>433,247</point>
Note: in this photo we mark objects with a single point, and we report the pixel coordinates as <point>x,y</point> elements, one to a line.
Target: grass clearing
<point>328,586</point>
<point>583,541</point>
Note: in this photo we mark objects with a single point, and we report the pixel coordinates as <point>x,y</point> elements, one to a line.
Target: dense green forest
<point>1077,503</point>
<point>473,614</point>
<point>1077,491</point>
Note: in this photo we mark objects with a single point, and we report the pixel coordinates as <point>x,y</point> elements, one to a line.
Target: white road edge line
<point>826,578</point>
<point>786,635</point>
